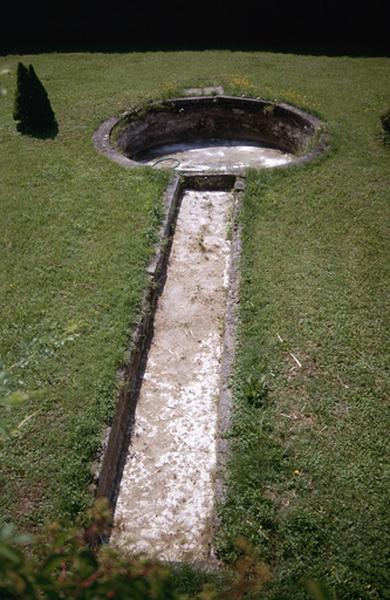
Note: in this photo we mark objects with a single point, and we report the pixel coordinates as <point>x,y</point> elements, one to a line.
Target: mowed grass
<point>76,234</point>
<point>308,475</point>
<point>309,480</point>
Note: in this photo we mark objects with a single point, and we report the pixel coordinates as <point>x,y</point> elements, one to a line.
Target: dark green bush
<point>385,119</point>
<point>22,101</point>
<point>32,108</point>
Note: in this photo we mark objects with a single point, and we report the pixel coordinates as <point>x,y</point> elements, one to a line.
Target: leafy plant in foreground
<point>72,566</point>
<point>69,568</point>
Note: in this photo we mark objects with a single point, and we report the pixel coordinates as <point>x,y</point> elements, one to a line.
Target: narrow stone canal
<point>166,497</point>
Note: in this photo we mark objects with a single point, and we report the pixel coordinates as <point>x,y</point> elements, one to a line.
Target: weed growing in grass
<point>8,399</point>
<point>169,88</point>
<point>299,100</point>
<point>239,85</point>
<point>255,390</point>
<point>166,90</point>
<point>156,215</point>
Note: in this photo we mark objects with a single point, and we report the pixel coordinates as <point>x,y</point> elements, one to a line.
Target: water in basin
<point>214,155</point>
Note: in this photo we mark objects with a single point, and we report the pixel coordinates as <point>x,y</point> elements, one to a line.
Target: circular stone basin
<point>220,134</point>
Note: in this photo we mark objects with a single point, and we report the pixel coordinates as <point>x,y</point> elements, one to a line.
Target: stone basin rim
<point>276,124</point>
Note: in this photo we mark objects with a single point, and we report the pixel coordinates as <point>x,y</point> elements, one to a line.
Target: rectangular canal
<point>167,493</point>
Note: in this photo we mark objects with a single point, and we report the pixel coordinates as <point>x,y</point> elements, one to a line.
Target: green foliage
<point>21,106</point>
<point>71,565</point>
<point>255,390</point>
<point>239,85</point>
<point>169,88</point>
<point>69,568</point>
<point>319,591</point>
<point>32,108</point>
<point>9,400</point>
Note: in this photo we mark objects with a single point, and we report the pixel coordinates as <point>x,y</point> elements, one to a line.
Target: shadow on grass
<point>50,132</point>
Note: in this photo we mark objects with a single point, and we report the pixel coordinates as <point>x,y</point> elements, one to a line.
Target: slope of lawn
<point>310,468</point>
<point>307,479</point>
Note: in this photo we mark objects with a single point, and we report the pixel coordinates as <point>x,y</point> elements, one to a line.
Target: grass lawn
<point>307,479</point>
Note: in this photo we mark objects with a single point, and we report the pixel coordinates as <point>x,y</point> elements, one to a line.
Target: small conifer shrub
<point>32,108</point>
<point>385,119</point>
